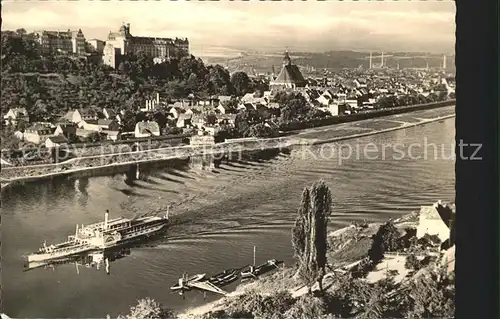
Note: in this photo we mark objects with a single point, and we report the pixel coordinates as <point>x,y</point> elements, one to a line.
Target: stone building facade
<point>61,42</point>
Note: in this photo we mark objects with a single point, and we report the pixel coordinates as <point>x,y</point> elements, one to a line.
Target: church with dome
<point>289,77</point>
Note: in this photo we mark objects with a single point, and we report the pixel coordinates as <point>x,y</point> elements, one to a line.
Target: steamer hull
<point>107,234</point>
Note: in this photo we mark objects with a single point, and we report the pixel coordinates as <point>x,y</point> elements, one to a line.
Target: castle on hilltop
<point>124,43</point>
<point>60,41</point>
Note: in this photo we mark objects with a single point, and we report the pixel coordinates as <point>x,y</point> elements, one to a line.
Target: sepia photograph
<point>229,159</point>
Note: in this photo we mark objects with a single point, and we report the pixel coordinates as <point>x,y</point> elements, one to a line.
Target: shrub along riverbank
<point>370,271</point>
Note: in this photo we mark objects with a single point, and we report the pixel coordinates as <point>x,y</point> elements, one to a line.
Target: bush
<point>149,309</point>
<point>412,262</point>
<point>429,241</point>
<point>355,297</point>
<point>307,307</point>
<point>409,238</point>
<point>252,305</point>
<point>362,269</point>
<point>427,297</point>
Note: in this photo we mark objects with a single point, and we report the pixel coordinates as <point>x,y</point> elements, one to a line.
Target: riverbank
<point>283,278</point>
<point>312,136</point>
<point>354,282</point>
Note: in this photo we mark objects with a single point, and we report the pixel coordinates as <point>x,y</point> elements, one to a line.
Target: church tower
<point>290,76</point>
<point>286,59</point>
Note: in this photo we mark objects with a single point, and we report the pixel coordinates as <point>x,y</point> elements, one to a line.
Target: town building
<point>61,42</point>
<point>147,129</point>
<point>90,125</point>
<point>184,120</point>
<point>76,116</point>
<point>56,141</point>
<point>109,114</point>
<point>37,134</point>
<point>108,125</point>
<point>151,104</point>
<point>110,55</point>
<point>67,130</point>
<point>96,45</point>
<point>83,134</point>
<point>124,43</point>
<point>112,135</point>
<point>15,115</point>
<point>431,223</point>
<point>289,77</point>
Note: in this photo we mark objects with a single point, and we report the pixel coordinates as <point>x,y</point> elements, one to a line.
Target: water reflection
<point>97,259</point>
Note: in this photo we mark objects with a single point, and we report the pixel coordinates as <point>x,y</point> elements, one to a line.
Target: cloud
<point>253,25</point>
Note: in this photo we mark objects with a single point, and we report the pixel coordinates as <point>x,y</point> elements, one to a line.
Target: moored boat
<point>253,271</point>
<point>225,277</point>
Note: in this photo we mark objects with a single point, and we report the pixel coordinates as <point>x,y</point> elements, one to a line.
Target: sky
<point>418,26</point>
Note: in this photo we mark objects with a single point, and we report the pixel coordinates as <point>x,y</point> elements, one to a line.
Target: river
<point>218,216</point>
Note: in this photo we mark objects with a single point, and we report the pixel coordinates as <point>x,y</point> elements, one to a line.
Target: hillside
<point>49,85</point>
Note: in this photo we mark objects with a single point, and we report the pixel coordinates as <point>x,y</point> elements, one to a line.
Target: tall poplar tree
<point>309,234</point>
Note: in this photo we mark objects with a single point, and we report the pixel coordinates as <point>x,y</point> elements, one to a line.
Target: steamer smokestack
<point>106,215</point>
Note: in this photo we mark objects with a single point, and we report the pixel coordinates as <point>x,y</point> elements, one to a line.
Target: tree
<point>160,118</point>
<point>93,137</point>
<point>231,106</point>
<point>294,109</point>
<point>262,130</point>
<point>211,118</point>
<point>387,238</point>
<point>244,120</point>
<point>21,31</point>
<point>128,121</point>
<point>21,125</point>
<point>8,140</point>
<point>241,83</point>
<point>309,234</point>
<point>218,80</point>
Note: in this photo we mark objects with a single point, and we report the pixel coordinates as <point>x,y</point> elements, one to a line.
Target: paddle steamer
<point>102,235</point>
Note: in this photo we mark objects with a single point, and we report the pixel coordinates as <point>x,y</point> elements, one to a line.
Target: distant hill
<point>335,60</point>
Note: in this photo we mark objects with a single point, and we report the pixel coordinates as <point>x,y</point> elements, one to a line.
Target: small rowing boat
<point>224,278</point>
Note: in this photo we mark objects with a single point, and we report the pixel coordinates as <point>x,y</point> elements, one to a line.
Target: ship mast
<point>254,255</point>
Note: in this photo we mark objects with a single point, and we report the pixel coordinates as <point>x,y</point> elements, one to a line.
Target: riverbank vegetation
<point>363,271</point>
